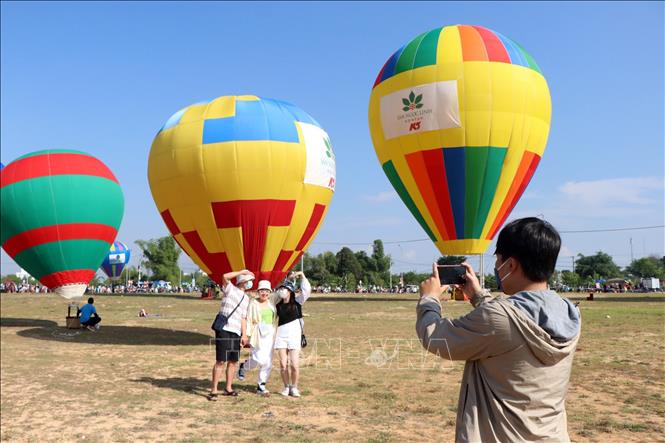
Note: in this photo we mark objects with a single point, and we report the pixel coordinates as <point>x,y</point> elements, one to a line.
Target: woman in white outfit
<point>261,331</point>
<point>289,331</point>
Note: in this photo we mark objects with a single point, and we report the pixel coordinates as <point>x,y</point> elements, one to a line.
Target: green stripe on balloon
<point>53,151</point>
<point>408,55</point>
<point>427,51</point>
<point>419,52</point>
<point>46,201</point>
<point>475,162</point>
<point>493,167</point>
<point>60,256</point>
<point>395,180</point>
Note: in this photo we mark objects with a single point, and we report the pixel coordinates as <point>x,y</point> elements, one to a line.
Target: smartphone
<point>452,274</point>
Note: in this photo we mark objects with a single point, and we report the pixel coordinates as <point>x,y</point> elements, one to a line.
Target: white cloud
<point>614,192</point>
<point>410,254</point>
<point>381,197</point>
<point>565,251</point>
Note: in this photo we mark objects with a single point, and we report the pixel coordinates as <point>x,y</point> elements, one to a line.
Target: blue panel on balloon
<point>455,172</point>
<point>254,120</point>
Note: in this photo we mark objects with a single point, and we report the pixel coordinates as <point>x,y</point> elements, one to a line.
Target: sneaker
<point>91,328</point>
<point>97,327</point>
<point>241,372</point>
<point>261,390</point>
<point>286,391</point>
<point>294,392</point>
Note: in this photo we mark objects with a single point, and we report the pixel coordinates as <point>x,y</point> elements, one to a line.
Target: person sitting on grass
<point>518,349</point>
<point>88,316</point>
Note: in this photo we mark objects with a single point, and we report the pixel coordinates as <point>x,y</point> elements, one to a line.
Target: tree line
<point>347,269</point>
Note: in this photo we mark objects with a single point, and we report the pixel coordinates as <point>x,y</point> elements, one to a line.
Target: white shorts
<point>288,335</point>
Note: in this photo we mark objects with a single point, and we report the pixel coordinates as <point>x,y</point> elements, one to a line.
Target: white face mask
<point>249,284</point>
<point>283,293</point>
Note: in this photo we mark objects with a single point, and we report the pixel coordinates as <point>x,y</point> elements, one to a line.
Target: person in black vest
<point>290,330</point>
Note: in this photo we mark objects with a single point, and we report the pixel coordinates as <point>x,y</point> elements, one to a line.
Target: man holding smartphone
<point>518,349</point>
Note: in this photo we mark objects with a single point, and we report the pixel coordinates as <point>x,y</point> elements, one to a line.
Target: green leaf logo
<point>329,152</point>
<point>412,102</point>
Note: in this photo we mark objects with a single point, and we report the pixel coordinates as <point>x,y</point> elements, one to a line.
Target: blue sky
<point>104,77</point>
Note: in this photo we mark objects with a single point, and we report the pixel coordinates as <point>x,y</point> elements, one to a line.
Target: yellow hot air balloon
<point>242,182</point>
<point>459,117</point>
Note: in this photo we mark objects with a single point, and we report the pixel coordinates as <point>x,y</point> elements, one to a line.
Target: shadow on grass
<point>191,385</point>
<point>620,299</point>
<point>107,335</point>
<point>9,322</point>
<point>368,298</point>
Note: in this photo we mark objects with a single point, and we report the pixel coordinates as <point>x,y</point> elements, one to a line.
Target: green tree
<point>414,278</point>
<point>382,263</point>
<point>451,260</point>
<point>490,282</point>
<point>600,264</point>
<point>161,258</point>
<point>647,267</point>
<point>347,263</point>
<point>571,279</point>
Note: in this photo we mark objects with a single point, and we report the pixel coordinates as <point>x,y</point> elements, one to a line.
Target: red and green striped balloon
<point>61,211</point>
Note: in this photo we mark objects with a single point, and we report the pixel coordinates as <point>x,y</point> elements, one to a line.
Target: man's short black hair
<point>532,242</point>
<point>91,300</point>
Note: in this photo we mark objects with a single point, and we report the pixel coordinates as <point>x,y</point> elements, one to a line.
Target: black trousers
<point>92,321</point>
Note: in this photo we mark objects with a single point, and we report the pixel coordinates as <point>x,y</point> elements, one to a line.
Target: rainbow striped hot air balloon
<point>116,259</point>
<point>242,182</point>
<point>459,117</point>
<point>61,211</point>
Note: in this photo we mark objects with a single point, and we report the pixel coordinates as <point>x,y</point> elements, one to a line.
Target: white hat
<point>243,278</point>
<point>264,284</point>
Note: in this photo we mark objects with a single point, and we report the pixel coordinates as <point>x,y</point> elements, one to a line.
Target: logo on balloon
<point>413,102</point>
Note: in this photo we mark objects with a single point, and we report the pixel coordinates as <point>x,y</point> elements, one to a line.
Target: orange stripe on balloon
<point>419,172</point>
<point>525,171</point>
<point>436,170</point>
<point>473,47</point>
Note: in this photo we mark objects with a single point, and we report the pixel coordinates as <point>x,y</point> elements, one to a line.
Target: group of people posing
<point>273,321</point>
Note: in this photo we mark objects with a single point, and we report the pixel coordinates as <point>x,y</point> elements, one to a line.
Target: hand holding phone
<point>452,274</point>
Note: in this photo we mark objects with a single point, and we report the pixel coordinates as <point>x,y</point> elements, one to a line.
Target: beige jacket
<point>516,376</point>
<point>254,319</point>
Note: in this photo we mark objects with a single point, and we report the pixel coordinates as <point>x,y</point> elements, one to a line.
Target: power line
<point>393,242</point>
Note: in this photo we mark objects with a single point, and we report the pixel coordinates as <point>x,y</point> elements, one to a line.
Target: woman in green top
<point>261,330</point>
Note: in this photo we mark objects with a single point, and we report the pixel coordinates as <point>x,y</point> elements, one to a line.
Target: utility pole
<point>573,257</point>
<point>631,249</point>
<point>482,271</point>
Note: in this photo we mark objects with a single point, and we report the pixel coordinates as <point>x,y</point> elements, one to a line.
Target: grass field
<point>364,376</point>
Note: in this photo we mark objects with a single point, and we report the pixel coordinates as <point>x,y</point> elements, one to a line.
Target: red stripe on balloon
<point>496,52</point>
<point>436,170</point>
<point>419,172</point>
<point>282,259</point>
<point>170,222</point>
<point>53,233</point>
<point>525,171</point>
<point>62,278</point>
<point>217,262</point>
<point>253,217</point>
<point>54,164</point>
<point>314,220</point>
<point>233,214</point>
